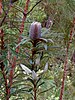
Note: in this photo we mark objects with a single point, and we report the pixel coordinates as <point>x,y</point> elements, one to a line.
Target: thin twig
<point>6,13</point>
<point>34,6</point>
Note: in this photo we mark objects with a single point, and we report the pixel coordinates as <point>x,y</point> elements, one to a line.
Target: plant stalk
<point>35,90</point>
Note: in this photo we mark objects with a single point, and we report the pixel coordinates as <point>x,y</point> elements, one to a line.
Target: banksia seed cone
<point>35,30</point>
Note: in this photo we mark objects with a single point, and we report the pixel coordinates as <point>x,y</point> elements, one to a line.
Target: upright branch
<point>66,61</point>
<point>13,63</point>
<point>35,90</point>
<point>2,64</point>
<point>22,24</point>
<point>8,83</point>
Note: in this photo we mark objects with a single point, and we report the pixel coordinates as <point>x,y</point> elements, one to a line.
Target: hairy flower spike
<point>35,30</point>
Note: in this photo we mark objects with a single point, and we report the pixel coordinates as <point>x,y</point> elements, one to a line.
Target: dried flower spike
<point>35,30</point>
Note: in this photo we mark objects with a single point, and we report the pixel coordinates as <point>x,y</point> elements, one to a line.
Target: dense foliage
<point>29,67</point>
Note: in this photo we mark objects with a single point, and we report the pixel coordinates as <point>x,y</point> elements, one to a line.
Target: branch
<point>5,80</point>
<point>22,24</point>
<point>17,49</point>
<point>2,66</point>
<point>24,13</point>
<point>66,62</point>
<point>6,13</point>
<point>34,6</point>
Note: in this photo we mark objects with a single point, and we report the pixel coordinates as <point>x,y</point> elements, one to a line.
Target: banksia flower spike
<point>35,30</point>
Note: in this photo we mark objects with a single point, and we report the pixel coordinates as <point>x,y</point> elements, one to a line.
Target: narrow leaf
<point>34,75</point>
<point>46,67</point>
<point>26,69</point>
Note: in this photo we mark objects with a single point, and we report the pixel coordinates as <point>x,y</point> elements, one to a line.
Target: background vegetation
<point>61,13</point>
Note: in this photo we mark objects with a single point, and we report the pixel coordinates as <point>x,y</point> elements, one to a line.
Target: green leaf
<point>40,84</point>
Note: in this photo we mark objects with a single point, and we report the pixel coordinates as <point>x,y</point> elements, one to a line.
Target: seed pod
<point>35,30</point>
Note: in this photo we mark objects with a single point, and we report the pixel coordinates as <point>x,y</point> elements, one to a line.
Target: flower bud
<point>35,30</point>
<point>49,23</point>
